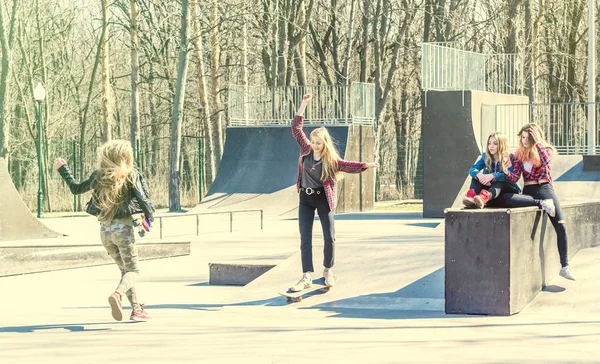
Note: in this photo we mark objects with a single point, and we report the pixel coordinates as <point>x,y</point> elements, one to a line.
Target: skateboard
<point>317,285</point>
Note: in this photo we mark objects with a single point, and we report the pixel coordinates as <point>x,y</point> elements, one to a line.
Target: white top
<point>528,166</point>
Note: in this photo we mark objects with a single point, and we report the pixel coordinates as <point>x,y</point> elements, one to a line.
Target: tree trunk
<point>348,52</point>
<point>6,41</point>
<point>215,79</point>
<point>176,121</point>
<point>83,122</point>
<point>364,41</point>
<point>135,69</point>
<point>155,128</point>
<point>106,115</point>
<point>204,105</point>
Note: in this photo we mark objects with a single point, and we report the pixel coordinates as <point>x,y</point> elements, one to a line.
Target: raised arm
<point>545,153</point>
<point>297,131</point>
<point>355,167</point>
<point>65,173</point>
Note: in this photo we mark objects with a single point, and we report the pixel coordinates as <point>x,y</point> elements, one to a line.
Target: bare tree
<point>107,121</point>
<point>6,41</point>
<point>203,93</point>
<point>176,121</point>
<point>216,79</point>
<point>135,66</point>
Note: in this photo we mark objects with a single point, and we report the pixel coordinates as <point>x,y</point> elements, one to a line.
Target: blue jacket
<point>499,176</point>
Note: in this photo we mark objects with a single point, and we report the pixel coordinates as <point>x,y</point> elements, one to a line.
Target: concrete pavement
<point>386,308</point>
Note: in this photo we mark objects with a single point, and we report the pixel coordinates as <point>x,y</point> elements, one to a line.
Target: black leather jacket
<point>136,201</point>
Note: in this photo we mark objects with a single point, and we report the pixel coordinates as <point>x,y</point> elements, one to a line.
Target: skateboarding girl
<point>118,192</point>
<point>533,160</point>
<point>319,169</point>
<point>489,173</point>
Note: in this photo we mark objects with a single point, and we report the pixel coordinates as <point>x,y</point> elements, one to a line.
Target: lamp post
<point>39,94</point>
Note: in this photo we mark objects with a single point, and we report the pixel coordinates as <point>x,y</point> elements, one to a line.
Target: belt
<point>309,191</point>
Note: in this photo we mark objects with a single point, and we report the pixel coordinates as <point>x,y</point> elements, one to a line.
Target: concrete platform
<point>23,257</point>
<point>389,266</point>
<point>498,260</point>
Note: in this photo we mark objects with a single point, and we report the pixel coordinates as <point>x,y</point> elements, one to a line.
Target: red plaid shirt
<point>537,173</point>
<point>330,185</point>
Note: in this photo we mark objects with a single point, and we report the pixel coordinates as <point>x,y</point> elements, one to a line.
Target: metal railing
<point>565,124</point>
<point>330,104</point>
<point>161,218</point>
<point>445,67</point>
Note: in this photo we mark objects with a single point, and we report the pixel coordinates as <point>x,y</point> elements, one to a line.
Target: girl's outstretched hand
<point>305,99</point>
<point>59,162</point>
<point>373,165</point>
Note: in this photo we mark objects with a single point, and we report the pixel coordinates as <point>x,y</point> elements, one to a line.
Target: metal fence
<point>565,124</point>
<point>445,67</point>
<point>337,104</point>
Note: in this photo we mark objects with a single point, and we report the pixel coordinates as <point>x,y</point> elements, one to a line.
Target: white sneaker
<point>329,278</point>
<point>548,206</point>
<point>566,273</point>
<point>468,201</point>
<point>304,283</point>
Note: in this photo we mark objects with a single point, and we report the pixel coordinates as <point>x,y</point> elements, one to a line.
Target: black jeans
<point>495,189</point>
<point>538,192</point>
<point>306,218</point>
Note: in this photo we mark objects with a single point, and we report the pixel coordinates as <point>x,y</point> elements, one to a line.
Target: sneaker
<point>482,198</point>
<point>115,305</point>
<point>548,206</point>
<point>304,283</point>
<point>141,315</point>
<point>566,273</point>
<point>468,199</point>
<point>329,278</point>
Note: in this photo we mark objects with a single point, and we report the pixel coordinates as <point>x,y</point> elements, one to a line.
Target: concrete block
<point>23,259</point>
<point>236,274</point>
<point>498,260</point>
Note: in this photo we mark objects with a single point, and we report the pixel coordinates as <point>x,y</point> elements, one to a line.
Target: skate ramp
<point>260,164</point>
<point>16,221</point>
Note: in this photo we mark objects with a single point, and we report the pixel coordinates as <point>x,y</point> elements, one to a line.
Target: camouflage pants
<point>119,242</point>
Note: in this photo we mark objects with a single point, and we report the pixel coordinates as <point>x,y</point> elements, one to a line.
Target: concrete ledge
<point>498,260</point>
<point>23,259</point>
<point>236,274</point>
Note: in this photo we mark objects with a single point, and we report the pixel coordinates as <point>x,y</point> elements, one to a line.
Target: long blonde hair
<point>329,156</point>
<point>502,148</point>
<point>116,173</point>
<point>530,153</point>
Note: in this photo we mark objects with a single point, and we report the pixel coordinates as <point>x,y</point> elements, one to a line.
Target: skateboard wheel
<point>298,299</point>
<point>327,289</point>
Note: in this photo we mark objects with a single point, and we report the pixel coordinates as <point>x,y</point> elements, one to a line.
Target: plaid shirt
<point>537,173</point>
<point>330,185</point>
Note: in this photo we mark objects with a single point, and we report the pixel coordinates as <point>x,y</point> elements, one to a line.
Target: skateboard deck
<point>317,285</point>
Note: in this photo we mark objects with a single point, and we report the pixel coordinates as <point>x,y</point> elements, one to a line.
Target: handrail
<point>160,219</point>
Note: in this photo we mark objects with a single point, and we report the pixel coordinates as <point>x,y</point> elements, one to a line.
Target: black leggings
<point>542,191</point>
<point>306,217</point>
